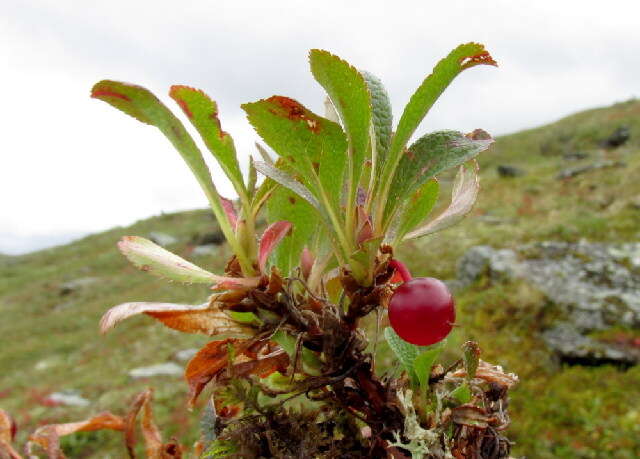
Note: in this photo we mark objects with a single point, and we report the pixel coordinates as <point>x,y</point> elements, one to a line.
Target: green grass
<point>50,341</point>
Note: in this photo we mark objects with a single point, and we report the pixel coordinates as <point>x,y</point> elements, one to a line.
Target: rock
<point>575,348</point>
<point>576,156</point>
<point>573,171</point>
<point>498,264</point>
<point>76,284</point>
<point>162,239</point>
<point>185,354</point>
<point>202,250</point>
<point>619,137</point>
<point>161,369</point>
<point>212,238</point>
<point>68,398</point>
<point>509,171</point>
<point>596,287</point>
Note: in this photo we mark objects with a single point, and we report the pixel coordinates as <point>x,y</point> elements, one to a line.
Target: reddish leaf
<point>306,262</point>
<point>48,437</point>
<point>209,362</point>
<point>204,318</point>
<point>154,447</point>
<point>264,366</point>
<point>270,239</point>
<point>227,205</point>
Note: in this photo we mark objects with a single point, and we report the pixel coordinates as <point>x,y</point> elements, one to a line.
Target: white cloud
<point>70,164</point>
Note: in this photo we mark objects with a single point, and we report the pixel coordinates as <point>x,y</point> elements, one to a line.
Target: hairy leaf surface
<point>430,155</point>
<point>382,116</point>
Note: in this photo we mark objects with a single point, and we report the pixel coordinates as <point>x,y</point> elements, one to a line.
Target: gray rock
<point>185,354</point>
<point>161,369</point>
<point>202,250</point>
<point>162,239</point>
<point>68,398</point>
<point>618,138</point>
<point>573,171</point>
<point>499,264</point>
<point>595,286</point>
<point>77,284</point>
<point>507,171</point>
<point>212,238</point>
<point>575,156</point>
<point>574,347</point>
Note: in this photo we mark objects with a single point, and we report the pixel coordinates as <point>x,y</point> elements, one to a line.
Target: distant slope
<point>49,339</point>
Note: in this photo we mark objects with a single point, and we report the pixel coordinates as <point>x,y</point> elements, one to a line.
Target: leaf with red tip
<point>183,317</point>
<point>140,103</point>
<point>209,362</point>
<point>309,145</point>
<point>48,436</point>
<point>348,91</point>
<point>270,239</point>
<point>463,196</point>
<point>203,114</point>
<point>150,257</point>
<point>461,58</point>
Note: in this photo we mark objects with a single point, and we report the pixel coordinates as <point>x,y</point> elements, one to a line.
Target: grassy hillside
<point>49,339</point>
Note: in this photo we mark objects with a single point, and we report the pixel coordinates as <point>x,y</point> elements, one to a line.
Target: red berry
<point>421,311</point>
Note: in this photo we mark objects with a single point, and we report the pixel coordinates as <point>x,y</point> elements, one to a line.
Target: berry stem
<point>401,269</point>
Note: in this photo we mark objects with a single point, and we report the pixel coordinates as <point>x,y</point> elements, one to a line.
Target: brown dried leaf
<point>7,434</point>
<point>209,362</point>
<point>489,373</point>
<point>472,416</point>
<point>48,437</point>
<point>264,366</point>
<point>183,317</point>
<point>154,448</point>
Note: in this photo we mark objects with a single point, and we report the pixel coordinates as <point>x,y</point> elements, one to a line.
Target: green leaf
<point>282,204</point>
<point>430,155</point>
<point>311,364</point>
<point>348,91</point>
<point>406,352</point>
<point>461,58</point>
<point>418,208</point>
<point>312,146</point>
<point>382,117</point>
<point>203,114</point>
<point>424,362</point>
<point>141,104</point>
<point>463,196</point>
<point>471,358</point>
<point>462,393</point>
<point>244,317</point>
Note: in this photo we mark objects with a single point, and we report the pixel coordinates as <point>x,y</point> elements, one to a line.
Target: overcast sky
<point>70,165</point>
